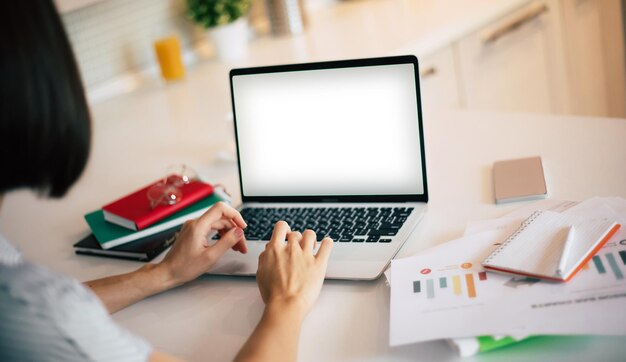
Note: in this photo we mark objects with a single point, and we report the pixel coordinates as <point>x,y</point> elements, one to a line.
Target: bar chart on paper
<point>448,284</point>
<point>461,285</point>
<point>609,264</point>
<point>445,293</point>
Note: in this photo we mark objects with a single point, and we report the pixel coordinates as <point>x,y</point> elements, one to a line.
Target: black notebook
<point>144,249</point>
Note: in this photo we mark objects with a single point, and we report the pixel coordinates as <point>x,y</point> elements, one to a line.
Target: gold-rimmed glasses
<point>168,191</point>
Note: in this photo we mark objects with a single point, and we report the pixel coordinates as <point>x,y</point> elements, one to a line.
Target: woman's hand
<point>290,278</point>
<point>192,255</point>
<point>289,274</point>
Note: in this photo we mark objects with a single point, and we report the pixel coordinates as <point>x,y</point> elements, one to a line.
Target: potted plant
<point>226,22</point>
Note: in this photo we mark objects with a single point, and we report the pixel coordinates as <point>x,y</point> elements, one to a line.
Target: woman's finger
<point>279,235</point>
<point>227,241</point>
<point>324,251</point>
<point>293,240</point>
<point>241,246</point>
<point>294,237</point>
<point>308,241</point>
<point>217,212</point>
<point>223,224</point>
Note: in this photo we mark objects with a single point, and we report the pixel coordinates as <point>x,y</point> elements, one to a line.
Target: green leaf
<point>211,13</point>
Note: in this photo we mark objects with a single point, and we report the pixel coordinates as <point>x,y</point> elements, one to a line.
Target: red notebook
<point>135,212</point>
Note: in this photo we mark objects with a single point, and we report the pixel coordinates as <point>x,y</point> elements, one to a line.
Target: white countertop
<point>211,317</point>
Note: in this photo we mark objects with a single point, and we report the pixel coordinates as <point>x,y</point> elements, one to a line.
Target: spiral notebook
<point>534,250</point>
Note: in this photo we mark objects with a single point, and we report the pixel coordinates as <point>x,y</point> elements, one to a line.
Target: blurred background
<point>536,56</point>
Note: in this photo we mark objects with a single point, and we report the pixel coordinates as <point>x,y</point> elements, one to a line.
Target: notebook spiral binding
<point>526,222</point>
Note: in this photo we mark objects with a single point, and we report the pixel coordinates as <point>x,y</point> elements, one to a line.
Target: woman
<point>44,145</point>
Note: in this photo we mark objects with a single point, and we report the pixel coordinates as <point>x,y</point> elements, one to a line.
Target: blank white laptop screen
<point>346,131</point>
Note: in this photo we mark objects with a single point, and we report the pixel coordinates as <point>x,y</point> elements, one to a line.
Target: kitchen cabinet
<point>594,41</point>
<point>513,64</point>
<point>550,56</point>
<point>438,81</point>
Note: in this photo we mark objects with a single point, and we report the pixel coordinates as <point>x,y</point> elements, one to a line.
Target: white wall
<point>113,37</point>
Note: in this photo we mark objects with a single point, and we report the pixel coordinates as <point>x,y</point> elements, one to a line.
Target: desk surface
<point>135,139</point>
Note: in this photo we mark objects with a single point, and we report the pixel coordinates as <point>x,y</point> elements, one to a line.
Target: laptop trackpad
<point>235,263</point>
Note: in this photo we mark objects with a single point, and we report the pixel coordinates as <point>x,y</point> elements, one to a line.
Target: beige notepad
<point>534,250</point>
<point>518,180</point>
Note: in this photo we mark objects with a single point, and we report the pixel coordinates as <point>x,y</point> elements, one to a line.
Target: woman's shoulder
<point>9,255</point>
<point>37,287</point>
<point>33,285</point>
<point>42,309</point>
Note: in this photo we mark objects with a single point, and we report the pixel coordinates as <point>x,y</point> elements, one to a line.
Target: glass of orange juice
<point>170,59</point>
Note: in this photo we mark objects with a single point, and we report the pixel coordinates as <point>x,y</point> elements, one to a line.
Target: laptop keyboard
<point>350,224</point>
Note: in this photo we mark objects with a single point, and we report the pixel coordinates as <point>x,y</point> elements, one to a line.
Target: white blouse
<point>49,317</point>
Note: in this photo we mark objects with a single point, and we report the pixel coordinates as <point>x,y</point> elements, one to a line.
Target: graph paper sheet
<point>445,293</point>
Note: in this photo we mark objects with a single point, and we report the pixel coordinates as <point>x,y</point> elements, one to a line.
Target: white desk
<point>135,138</point>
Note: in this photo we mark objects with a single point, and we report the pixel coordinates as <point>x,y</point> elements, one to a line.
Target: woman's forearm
<point>119,291</point>
<point>276,336</point>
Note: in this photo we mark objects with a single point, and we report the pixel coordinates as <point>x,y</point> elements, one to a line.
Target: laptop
<point>336,147</point>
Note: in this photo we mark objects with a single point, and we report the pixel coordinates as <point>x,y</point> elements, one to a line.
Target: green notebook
<point>110,235</point>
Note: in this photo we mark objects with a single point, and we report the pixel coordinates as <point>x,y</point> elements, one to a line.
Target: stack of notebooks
<point>131,228</point>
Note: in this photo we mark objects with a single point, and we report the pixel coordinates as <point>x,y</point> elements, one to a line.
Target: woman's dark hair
<point>45,126</point>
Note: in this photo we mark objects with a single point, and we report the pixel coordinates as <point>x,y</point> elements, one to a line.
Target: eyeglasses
<point>168,191</point>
